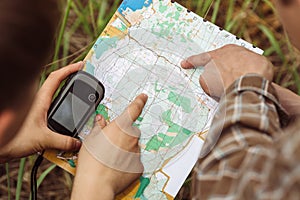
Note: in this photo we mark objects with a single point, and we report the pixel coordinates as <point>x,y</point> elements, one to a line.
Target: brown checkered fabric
<point>248,155</point>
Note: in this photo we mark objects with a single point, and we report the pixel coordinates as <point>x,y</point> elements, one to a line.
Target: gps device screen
<point>70,112</point>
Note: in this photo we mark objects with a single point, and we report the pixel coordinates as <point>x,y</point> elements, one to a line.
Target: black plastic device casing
<point>84,86</point>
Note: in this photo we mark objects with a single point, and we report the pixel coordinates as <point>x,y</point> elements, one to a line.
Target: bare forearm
<point>289,100</point>
<point>91,188</point>
<point>91,180</point>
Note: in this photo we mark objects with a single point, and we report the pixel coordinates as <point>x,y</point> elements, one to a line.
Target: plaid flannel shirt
<point>248,155</point>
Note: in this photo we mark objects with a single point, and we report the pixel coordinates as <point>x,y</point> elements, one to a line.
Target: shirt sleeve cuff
<point>259,85</point>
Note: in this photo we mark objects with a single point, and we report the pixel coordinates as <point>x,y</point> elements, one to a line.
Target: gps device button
<point>92,97</point>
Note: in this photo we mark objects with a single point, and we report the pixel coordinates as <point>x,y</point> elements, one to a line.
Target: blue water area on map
<point>90,68</point>
<point>134,5</point>
<point>104,44</point>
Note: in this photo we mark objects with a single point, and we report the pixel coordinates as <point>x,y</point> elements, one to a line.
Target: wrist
<point>96,175</point>
<point>92,190</point>
<point>104,192</point>
<point>288,99</point>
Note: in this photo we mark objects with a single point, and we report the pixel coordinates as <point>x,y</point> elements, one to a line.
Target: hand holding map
<point>224,65</point>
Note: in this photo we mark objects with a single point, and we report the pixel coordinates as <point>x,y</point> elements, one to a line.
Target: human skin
<point>221,70</point>
<point>223,66</point>
<point>289,15</point>
<point>288,99</point>
<point>34,135</point>
<point>105,181</point>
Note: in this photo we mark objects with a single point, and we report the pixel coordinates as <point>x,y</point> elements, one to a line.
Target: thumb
<point>196,61</point>
<point>61,142</point>
<point>136,107</point>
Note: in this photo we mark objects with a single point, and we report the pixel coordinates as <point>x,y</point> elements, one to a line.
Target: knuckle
<point>191,59</point>
<point>136,142</point>
<point>60,74</point>
<point>52,74</point>
<point>266,63</point>
<point>234,47</point>
<point>68,143</point>
<point>229,46</point>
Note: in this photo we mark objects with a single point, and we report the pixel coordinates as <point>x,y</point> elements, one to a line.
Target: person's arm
<point>289,100</point>
<point>223,66</point>
<point>34,135</point>
<point>240,147</point>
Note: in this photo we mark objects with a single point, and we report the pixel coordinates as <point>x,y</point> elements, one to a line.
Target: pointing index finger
<point>129,116</point>
<point>136,107</point>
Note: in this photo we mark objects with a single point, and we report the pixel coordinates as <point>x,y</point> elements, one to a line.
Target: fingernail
<point>81,64</point>
<point>98,117</point>
<point>145,95</point>
<point>78,144</point>
<point>182,63</point>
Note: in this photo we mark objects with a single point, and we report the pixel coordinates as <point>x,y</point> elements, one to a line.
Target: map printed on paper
<point>140,51</point>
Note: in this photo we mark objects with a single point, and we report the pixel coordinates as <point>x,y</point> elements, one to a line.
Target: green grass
<point>252,20</point>
<point>20,178</point>
<point>8,180</point>
<point>233,15</point>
